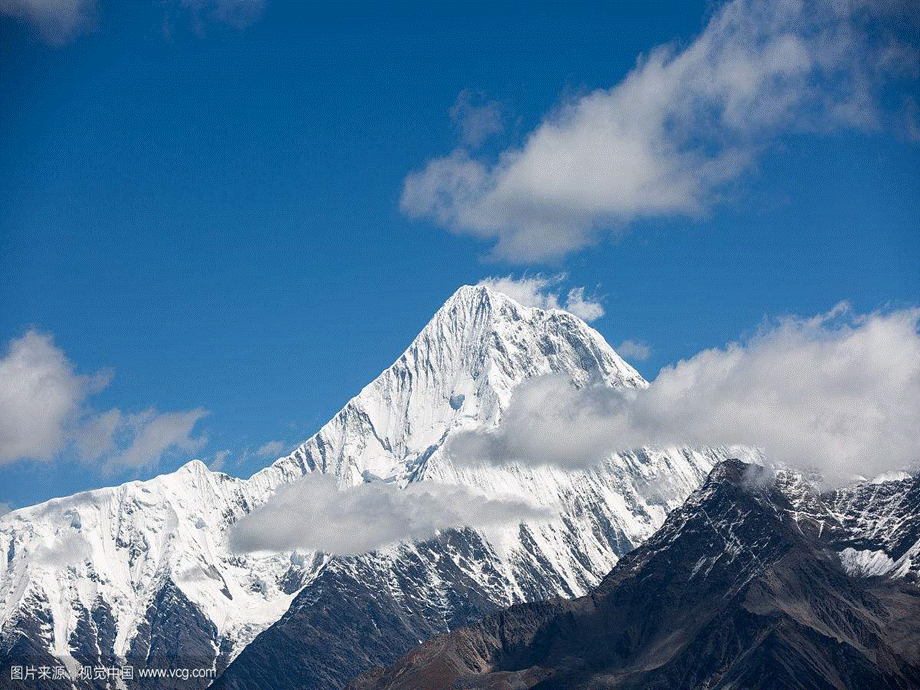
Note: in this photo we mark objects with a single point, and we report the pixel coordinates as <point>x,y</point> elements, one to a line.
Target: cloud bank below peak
<point>838,392</point>
<point>681,127</point>
<point>313,514</point>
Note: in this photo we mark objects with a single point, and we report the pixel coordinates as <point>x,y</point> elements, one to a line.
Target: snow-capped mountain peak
<point>458,373</point>
<point>125,567</point>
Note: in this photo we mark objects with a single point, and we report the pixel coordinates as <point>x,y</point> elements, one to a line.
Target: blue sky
<point>206,209</point>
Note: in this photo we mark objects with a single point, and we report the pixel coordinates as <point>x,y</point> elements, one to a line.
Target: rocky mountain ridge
<point>744,586</point>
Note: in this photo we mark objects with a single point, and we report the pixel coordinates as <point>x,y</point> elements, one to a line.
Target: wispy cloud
<point>236,13</point>
<point>633,350</point>
<point>547,292</point>
<point>271,449</point>
<point>681,127</point>
<point>142,439</point>
<point>476,119</point>
<point>57,21</point>
<point>586,308</point>
<point>838,392</point>
<point>217,460</point>
<point>44,411</point>
<point>314,514</point>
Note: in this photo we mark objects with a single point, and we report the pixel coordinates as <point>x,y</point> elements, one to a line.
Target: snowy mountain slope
<point>115,550</point>
<point>143,572</point>
<point>366,610</point>
<point>873,526</point>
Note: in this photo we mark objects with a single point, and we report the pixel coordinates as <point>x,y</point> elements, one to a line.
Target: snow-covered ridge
<point>119,545</point>
<point>115,549</point>
<point>872,525</point>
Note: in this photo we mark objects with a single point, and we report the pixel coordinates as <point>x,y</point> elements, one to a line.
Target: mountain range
<point>755,582</point>
<point>144,573</point>
<point>659,567</point>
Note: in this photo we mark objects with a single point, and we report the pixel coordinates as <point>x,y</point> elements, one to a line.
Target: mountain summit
<point>458,373</point>
<point>143,572</point>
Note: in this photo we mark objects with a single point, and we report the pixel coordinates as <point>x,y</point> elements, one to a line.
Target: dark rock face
<point>357,615</point>
<point>335,632</point>
<point>174,637</point>
<point>21,643</point>
<point>23,646</point>
<point>740,588</point>
<point>175,634</point>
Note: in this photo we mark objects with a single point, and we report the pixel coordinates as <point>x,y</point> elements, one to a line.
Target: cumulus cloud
<point>271,449</point>
<point>630,349</point>
<point>548,421</point>
<point>546,292</point>
<point>44,411</point>
<point>57,21</point>
<point>475,122</point>
<point>838,392</point>
<point>314,514</point>
<point>676,131</point>
<point>40,394</point>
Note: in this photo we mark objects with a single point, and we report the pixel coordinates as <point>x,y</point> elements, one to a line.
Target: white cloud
<point>838,392</point>
<point>531,291</point>
<point>57,21</point>
<point>545,292</point>
<point>94,436</point>
<point>475,123</point>
<point>116,440</point>
<point>670,137</point>
<point>314,514</point>
<point>271,449</point>
<point>147,436</point>
<point>548,421</point>
<point>4,508</point>
<point>586,308</point>
<point>61,21</point>
<point>633,350</point>
<point>217,461</point>
<point>40,396</point>
<point>44,411</point>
